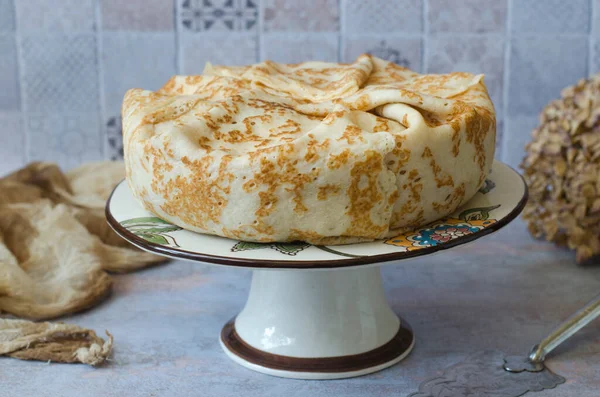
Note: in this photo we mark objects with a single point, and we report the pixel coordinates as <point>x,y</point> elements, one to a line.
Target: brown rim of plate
<point>176,253</point>
<point>396,347</point>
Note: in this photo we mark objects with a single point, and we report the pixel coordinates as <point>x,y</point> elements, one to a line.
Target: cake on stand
<point>319,312</point>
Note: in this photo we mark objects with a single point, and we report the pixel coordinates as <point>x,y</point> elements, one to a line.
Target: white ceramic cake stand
<point>319,312</point>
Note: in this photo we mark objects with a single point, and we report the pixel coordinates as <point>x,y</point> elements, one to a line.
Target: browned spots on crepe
<point>200,197</point>
<point>478,121</point>
<point>362,103</point>
<point>252,121</point>
<point>405,120</point>
<point>430,119</point>
<point>171,110</point>
<point>204,143</point>
<point>381,124</point>
<point>304,235</point>
<point>278,175</point>
<point>335,161</point>
<point>314,148</point>
<point>452,201</point>
<point>169,87</point>
<point>363,194</point>
<point>408,94</point>
<point>413,188</point>
<point>326,190</point>
<point>290,127</point>
<point>441,178</point>
<point>351,134</point>
<point>160,165</point>
<point>399,155</point>
<point>331,117</point>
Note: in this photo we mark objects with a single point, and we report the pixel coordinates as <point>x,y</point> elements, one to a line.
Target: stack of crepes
<point>55,251</point>
<point>321,152</point>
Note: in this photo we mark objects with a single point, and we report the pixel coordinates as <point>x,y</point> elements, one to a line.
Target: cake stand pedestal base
<point>317,324</point>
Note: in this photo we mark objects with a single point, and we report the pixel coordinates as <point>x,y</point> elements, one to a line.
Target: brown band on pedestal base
<point>396,347</point>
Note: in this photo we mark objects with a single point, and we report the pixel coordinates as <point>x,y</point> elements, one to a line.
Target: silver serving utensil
<point>491,373</point>
<point>534,362</point>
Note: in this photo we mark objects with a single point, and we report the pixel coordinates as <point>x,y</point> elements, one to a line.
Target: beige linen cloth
<point>56,250</point>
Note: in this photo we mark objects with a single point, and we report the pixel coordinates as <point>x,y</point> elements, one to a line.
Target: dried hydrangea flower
<point>562,170</point>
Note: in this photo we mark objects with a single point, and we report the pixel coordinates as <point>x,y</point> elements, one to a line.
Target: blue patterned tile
<point>69,15</point>
<point>383,16</point>
<point>7,16</point>
<point>135,60</point>
<point>218,15</point>
<point>137,15</point>
<point>10,98</point>
<point>113,136</point>
<point>12,149</point>
<point>551,16</point>
<point>540,67</point>
<point>396,48</point>
<point>299,16</point>
<point>516,135</point>
<point>68,139</point>
<point>467,16</point>
<point>300,47</point>
<point>479,54</point>
<point>219,49</point>
<point>59,73</point>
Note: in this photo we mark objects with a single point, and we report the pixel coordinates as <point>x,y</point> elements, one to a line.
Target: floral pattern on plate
<point>468,222</point>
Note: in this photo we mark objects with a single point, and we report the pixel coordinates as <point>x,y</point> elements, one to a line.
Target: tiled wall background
<point>65,64</point>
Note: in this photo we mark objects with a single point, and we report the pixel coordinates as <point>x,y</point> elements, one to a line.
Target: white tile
<point>12,149</point>
<point>383,16</point>
<point>10,97</point>
<point>59,73</point>
<point>396,48</point>
<point>67,139</point>
<point>300,16</point>
<point>47,15</point>
<point>219,49</point>
<point>7,16</point>
<point>300,47</point>
<point>551,16</point>
<point>479,54</point>
<point>137,15</point>
<point>516,135</point>
<point>540,67</point>
<point>472,16</point>
<point>134,60</point>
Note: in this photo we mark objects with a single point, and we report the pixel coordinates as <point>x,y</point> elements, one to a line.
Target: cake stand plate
<point>319,312</point>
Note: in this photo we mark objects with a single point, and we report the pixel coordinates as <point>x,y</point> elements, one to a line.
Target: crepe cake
<point>327,153</point>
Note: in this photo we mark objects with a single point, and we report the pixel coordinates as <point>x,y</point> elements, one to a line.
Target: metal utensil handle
<point>573,324</point>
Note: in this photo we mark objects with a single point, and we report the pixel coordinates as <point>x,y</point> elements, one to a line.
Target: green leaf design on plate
<point>153,238</point>
<point>145,219</point>
<point>284,248</point>
<point>473,214</point>
<point>165,229</point>
<point>152,229</point>
<point>290,248</point>
<point>487,186</point>
<point>247,246</point>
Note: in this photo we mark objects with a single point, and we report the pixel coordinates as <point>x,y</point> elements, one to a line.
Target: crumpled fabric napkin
<point>56,250</point>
